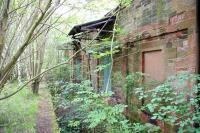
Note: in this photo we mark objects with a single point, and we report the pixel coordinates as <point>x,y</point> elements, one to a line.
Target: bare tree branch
<point>58,65</point>
<point>21,7</point>
<point>23,47</point>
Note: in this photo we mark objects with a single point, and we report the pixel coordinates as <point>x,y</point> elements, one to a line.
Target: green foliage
<point>92,107</point>
<point>175,101</point>
<point>160,7</point>
<point>101,67</point>
<point>102,48</point>
<point>105,53</point>
<point>120,30</point>
<point>18,113</point>
<point>125,2</point>
<point>133,81</point>
<point>59,75</point>
<point>1,2</point>
<point>91,111</point>
<point>117,79</point>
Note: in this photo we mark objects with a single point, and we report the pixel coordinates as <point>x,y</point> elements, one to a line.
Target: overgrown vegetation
<point>175,102</point>
<point>26,28</point>
<point>133,81</point>
<point>87,110</point>
<point>18,113</point>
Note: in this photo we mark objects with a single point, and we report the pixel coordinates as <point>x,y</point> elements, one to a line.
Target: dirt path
<point>44,122</point>
<point>1,130</point>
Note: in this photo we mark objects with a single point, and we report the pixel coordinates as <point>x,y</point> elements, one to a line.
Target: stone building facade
<point>165,31</point>
<point>157,37</point>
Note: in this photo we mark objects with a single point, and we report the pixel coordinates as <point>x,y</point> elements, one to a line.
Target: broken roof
<point>98,24</point>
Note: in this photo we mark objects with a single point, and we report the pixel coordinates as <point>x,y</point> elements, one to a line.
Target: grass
<point>18,113</point>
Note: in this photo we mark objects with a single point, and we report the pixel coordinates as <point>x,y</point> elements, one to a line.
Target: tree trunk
<point>3,24</point>
<point>35,86</point>
<point>36,60</point>
<point>4,73</point>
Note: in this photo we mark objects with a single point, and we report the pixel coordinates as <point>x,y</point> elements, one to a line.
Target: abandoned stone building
<point>157,37</point>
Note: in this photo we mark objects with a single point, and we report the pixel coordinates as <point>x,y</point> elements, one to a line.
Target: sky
<point>75,12</point>
<point>86,10</point>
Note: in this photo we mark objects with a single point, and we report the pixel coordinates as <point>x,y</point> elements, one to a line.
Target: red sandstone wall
<point>168,27</point>
<point>172,31</point>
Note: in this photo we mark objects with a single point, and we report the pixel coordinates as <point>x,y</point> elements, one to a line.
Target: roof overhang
<point>93,25</point>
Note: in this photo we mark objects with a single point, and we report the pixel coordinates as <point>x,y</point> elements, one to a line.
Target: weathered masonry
<point>159,38</point>
<point>165,31</point>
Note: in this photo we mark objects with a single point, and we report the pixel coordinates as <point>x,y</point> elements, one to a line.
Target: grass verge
<point>18,113</point>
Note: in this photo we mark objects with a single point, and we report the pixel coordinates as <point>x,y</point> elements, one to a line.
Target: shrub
<point>175,101</point>
<point>89,110</point>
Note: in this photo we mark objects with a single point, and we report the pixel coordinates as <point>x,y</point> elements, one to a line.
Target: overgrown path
<point>45,122</point>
